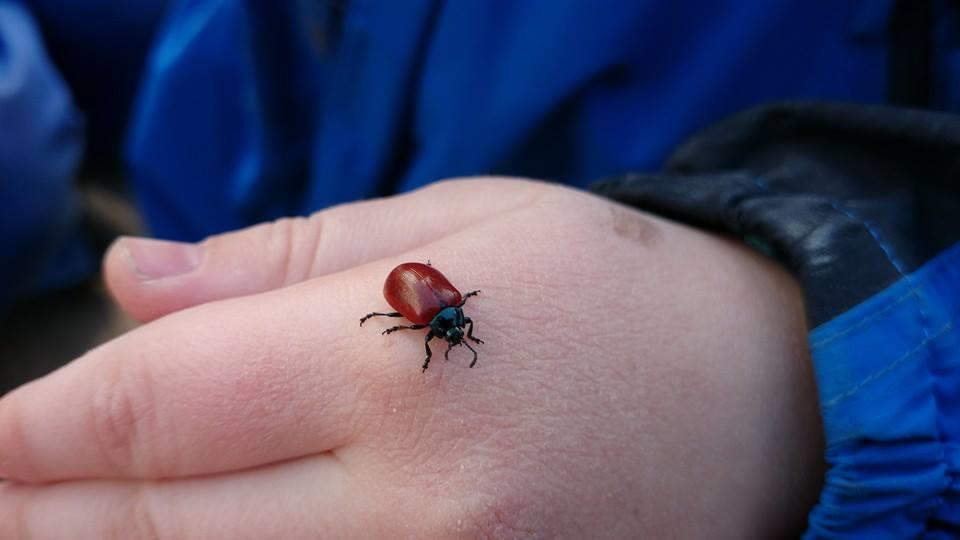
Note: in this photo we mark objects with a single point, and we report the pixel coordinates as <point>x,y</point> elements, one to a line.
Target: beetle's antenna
<point>468,295</point>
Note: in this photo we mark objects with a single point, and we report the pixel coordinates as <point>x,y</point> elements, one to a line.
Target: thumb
<point>150,278</point>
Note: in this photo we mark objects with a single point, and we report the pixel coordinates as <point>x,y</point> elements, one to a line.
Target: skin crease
<point>639,379</point>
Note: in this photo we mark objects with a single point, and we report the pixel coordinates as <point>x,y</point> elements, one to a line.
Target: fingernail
<point>158,259</point>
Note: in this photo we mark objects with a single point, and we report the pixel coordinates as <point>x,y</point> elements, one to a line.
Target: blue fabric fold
<point>888,373</point>
<point>250,112</point>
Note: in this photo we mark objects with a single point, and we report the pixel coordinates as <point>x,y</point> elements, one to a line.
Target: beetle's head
<point>448,324</point>
<point>454,335</point>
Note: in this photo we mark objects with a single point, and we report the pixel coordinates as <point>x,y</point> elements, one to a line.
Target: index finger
<point>284,252</point>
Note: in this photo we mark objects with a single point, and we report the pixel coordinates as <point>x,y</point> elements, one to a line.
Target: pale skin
<point>639,379</point>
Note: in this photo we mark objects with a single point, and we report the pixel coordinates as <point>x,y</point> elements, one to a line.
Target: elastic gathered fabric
<point>888,373</point>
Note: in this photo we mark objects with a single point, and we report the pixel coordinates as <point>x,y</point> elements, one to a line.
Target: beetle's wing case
<point>419,292</point>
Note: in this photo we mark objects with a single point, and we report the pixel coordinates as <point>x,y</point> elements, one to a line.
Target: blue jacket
<point>252,110</point>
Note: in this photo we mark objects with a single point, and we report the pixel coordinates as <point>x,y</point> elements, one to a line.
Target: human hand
<point>639,378</point>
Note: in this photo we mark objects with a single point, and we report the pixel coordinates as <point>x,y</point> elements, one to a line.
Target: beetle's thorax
<point>448,324</point>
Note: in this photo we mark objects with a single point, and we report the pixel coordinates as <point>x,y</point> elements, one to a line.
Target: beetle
<point>425,297</point>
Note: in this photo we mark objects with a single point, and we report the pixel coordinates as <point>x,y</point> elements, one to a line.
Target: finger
<point>309,498</point>
<point>152,278</point>
<point>229,385</point>
<point>226,386</point>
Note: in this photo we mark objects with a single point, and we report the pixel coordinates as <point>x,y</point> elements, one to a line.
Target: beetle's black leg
<point>446,355</point>
<point>375,314</point>
<point>395,328</point>
<point>426,345</point>
<point>469,323</point>
<point>468,295</point>
<point>465,344</point>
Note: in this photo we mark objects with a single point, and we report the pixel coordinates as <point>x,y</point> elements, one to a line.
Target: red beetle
<point>426,297</point>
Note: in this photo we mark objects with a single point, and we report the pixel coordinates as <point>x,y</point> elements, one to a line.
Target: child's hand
<point>639,379</point>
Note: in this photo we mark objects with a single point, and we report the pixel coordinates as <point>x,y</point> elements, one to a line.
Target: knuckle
<point>18,445</point>
<point>509,517</point>
<point>323,232</point>
<point>123,416</point>
<point>292,243</point>
<point>21,518</point>
<point>136,519</point>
